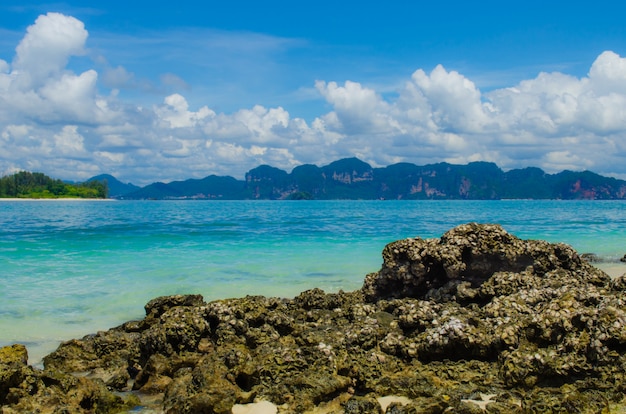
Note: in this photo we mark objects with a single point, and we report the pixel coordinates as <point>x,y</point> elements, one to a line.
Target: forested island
<point>38,185</point>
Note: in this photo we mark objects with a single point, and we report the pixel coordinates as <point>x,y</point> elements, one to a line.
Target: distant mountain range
<point>354,179</point>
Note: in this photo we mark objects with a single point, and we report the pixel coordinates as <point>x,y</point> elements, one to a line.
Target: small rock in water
<point>590,257</point>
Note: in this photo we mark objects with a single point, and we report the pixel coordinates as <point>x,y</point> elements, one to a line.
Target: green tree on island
<point>25,184</point>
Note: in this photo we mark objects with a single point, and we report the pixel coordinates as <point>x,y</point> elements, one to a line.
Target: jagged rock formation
<point>354,179</point>
<point>466,256</point>
<point>476,320</point>
<point>24,389</point>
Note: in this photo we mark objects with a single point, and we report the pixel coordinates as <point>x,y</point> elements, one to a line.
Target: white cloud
<point>114,157</point>
<point>47,47</point>
<point>175,112</point>
<point>15,132</point>
<point>57,119</point>
<point>69,142</point>
<point>263,125</point>
<point>555,104</point>
<point>72,96</point>
<point>38,86</point>
<point>455,102</point>
<point>565,160</point>
<point>608,74</point>
<point>358,109</point>
<point>180,148</point>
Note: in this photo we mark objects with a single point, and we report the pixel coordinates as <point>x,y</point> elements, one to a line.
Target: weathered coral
<point>26,389</point>
<point>471,253</point>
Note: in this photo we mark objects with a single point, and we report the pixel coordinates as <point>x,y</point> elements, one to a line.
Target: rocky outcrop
<point>476,320</point>
<point>24,389</point>
<point>468,256</point>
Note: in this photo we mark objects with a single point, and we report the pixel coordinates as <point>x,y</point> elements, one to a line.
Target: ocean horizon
<point>70,269</point>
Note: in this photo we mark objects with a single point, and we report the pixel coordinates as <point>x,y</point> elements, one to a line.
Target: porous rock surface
<point>24,389</point>
<point>475,321</point>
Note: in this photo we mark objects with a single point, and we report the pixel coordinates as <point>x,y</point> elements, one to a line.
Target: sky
<point>164,91</point>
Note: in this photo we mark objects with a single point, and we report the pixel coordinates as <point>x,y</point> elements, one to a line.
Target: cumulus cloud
<point>47,47</point>
<point>608,74</point>
<point>56,120</point>
<point>359,109</point>
<point>38,86</point>
<point>454,101</point>
<point>175,112</point>
<point>69,141</point>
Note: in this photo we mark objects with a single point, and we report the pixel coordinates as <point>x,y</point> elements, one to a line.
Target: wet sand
<point>613,269</point>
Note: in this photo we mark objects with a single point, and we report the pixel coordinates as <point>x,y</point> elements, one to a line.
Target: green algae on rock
<point>476,320</point>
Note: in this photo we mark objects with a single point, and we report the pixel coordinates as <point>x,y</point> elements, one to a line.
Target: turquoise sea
<point>70,268</point>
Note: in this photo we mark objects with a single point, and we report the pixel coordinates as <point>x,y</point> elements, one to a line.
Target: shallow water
<point>70,268</point>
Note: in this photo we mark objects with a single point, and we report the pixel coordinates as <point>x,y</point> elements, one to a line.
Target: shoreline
<point>57,199</point>
<point>38,350</point>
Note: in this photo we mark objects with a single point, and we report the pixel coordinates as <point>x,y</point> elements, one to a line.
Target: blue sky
<point>159,91</point>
